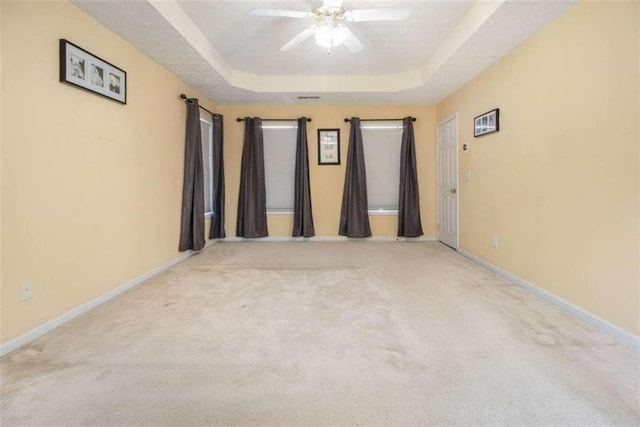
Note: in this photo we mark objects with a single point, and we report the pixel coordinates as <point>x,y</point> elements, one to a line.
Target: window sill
<point>280,212</point>
<point>383,212</point>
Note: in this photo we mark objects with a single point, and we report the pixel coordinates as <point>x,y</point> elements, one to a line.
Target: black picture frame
<point>486,123</point>
<point>81,68</point>
<point>328,146</point>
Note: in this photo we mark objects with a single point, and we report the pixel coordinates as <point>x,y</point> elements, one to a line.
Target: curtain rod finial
<point>347,120</point>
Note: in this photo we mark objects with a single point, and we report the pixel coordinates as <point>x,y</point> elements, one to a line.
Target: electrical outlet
<point>25,291</point>
<point>494,241</point>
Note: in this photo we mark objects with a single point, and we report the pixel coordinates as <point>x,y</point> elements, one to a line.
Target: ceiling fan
<point>330,27</point>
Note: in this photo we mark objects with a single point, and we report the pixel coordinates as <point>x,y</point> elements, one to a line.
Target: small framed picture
<point>328,146</point>
<point>85,70</point>
<point>488,122</point>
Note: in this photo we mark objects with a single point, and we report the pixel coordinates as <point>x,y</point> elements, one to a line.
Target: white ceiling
<point>234,58</point>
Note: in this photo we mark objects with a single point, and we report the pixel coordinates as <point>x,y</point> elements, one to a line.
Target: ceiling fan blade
<point>351,42</point>
<point>277,12</point>
<point>305,34</point>
<point>367,15</point>
<point>330,4</point>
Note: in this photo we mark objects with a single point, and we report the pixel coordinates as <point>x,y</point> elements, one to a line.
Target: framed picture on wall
<point>86,71</point>
<point>488,122</point>
<point>328,146</point>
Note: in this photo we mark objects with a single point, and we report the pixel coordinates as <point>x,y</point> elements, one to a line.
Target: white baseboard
<point>52,324</point>
<point>617,332</point>
<point>331,239</point>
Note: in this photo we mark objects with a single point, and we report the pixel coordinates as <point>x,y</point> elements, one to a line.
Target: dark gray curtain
<point>252,199</point>
<point>192,219</point>
<point>409,224</point>
<point>217,221</point>
<point>302,213</point>
<point>354,218</point>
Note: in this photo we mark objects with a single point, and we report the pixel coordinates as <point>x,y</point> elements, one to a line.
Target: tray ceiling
<point>234,58</point>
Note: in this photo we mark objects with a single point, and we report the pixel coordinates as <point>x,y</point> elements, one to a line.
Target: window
<point>206,132</point>
<point>279,164</point>
<point>381,143</point>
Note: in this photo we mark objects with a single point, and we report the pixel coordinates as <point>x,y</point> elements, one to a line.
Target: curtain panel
<point>409,224</point>
<point>354,216</point>
<point>217,220</point>
<point>252,198</point>
<point>192,215</point>
<point>302,212</point>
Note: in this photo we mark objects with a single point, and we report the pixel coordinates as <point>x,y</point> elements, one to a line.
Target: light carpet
<point>323,333</point>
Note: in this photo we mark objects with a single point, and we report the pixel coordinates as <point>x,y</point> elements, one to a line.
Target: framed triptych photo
<point>85,70</point>
<point>488,122</point>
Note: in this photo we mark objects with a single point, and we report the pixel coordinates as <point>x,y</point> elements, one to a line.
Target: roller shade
<point>381,145</point>
<point>280,163</point>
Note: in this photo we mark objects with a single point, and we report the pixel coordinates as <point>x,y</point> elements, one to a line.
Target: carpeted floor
<point>323,333</point>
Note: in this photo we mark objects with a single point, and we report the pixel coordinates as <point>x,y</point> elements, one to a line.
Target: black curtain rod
<point>413,119</point>
<point>187,99</point>
<point>240,119</point>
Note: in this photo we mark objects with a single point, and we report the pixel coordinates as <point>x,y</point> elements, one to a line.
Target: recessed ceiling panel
<point>232,57</point>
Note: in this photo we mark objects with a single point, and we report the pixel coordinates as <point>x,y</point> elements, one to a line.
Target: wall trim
<point>331,239</point>
<point>56,322</point>
<point>602,324</point>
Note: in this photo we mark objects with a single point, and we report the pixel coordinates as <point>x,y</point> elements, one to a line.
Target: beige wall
<point>327,181</point>
<point>91,189</point>
<point>558,184</point>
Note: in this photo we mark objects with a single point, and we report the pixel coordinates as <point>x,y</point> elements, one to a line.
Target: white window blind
<point>381,143</point>
<point>206,134</point>
<point>279,164</point>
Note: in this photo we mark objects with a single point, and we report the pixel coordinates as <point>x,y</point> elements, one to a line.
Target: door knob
<point>452,191</point>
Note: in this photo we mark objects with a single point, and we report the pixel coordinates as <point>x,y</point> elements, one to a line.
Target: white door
<point>447,153</point>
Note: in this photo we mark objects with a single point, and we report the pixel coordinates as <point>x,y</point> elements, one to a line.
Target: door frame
<point>443,121</point>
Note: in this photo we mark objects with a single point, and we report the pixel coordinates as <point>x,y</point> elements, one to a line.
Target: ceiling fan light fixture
<point>330,35</point>
<point>329,27</point>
